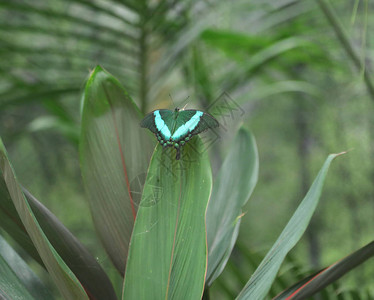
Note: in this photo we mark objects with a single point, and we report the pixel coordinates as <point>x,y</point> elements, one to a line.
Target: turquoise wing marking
<point>192,122</point>
<point>206,122</point>
<point>161,126</point>
<point>175,128</point>
<point>188,127</point>
<point>158,122</point>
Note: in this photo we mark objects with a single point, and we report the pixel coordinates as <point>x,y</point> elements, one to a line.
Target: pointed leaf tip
<point>260,282</point>
<point>114,157</point>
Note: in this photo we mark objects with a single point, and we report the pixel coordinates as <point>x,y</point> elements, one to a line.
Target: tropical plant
<point>287,64</point>
<point>168,244</point>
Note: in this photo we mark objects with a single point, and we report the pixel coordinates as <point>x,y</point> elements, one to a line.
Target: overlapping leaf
<point>168,252</point>
<point>80,261</point>
<point>261,281</point>
<point>63,277</point>
<point>231,190</point>
<point>16,277</point>
<point>316,282</point>
<point>74,254</point>
<point>12,224</point>
<point>114,155</point>
<point>11,286</point>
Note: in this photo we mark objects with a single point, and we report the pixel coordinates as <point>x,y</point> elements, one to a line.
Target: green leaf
<point>168,252</point>
<point>12,224</point>
<point>65,280</point>
<point>259,284</point>
<point>318,281</point>
<point>231,190</point>
<point>88,271</point>
<point>114,155</point>
<point>14,270</point>
<point>11,286</point>
<point>74,254</point>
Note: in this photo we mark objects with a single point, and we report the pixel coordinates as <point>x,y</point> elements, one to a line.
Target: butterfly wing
<point>192,122</point>
<point>159,122</point>
<point>206,122</point>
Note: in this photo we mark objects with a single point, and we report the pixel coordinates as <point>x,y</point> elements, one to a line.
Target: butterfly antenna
<point>186,103</point>
<point>172,101</point>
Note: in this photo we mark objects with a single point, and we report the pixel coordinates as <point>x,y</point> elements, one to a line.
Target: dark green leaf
<point>75,255</point>
<point>79,260</point>
<point>12,224</point>
<point>65,280</point>
<point>318,281</point>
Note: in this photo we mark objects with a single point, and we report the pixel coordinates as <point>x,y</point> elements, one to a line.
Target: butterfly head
<point>178,109</point>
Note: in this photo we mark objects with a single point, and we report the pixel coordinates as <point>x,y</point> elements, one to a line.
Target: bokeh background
<point>298,73</point>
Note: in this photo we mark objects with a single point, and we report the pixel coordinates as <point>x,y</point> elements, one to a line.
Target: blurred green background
<point>297,73</point>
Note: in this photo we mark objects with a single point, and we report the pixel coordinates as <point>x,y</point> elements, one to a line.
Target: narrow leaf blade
<point>65,280</point>
<point>168,251</point>
<point>74,254</point>
<point>316,282</point>
<point>260,282</point>
<point>12,224</point>
<point>231,190</point>
<point>114,155</point>
<point>88,271</point>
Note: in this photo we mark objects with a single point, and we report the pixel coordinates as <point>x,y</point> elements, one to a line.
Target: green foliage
<point>168,250</point>
<point>167,247</point>
<point>18,275</point>
<point>65,280</point>
<point>222,234</point>
<point>110,160</point>
<point>260,282</point>
<point>284,69</point>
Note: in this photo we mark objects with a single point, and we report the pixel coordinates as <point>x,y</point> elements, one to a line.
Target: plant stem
<point>344,40</point>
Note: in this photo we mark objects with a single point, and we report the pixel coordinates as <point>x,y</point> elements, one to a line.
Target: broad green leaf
<point>260,282</point>
<point>168,251</point>
<point>63,277</point>
<point>74,254</point>
<point>22,272</point>
<point>114,155</point>
<point>231,190</point>
<point>318,281</point>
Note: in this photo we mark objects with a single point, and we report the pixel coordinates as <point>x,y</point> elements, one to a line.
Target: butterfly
<point>175,128</point>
